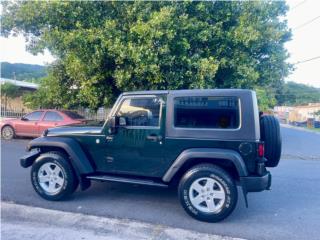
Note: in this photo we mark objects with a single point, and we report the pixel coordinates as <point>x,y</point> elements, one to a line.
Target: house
<point>16,104</point>
<point>297,113</point>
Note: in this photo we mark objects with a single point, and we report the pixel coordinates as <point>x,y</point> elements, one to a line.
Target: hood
<point>73,130</point>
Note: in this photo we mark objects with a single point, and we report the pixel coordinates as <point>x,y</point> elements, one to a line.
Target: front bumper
<point>28,159</point>
<point>255,183</point>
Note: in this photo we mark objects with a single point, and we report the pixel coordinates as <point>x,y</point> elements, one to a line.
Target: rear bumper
<point>28,159</point>
<point>257,183</point>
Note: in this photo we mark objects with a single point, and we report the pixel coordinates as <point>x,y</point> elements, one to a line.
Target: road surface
<point>291,210</point>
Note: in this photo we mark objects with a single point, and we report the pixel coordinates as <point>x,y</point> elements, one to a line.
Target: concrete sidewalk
<point>32,223</point>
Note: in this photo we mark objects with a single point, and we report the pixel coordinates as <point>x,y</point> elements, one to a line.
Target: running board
<point>127,180</point>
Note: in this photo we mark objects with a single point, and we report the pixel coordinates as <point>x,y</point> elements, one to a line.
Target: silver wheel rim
<point>7,133</point>
<point>207,195</point>
<point>51,178</point>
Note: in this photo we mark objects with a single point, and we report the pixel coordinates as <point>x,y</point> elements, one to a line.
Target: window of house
<point>206,112</point>
<point>52,117</point>
<point>140,112</point>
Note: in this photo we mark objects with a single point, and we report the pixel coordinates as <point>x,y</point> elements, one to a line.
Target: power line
<point>307,60</point>
<point>298,4</point>
<point>307,23</point>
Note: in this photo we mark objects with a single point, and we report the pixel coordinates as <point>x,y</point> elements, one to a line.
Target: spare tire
<point>270,135</point>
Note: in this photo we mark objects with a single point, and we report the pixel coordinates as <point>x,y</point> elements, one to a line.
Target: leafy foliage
<point>104,48</point>
<point>9,91</point>
<point>23,72</point>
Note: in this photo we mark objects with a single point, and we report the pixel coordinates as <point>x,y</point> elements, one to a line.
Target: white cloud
<point>13,50</point>
<point>305,43</point>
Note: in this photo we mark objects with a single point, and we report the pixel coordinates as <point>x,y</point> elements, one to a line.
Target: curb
<point>298,128</point>
<point>26,222</point>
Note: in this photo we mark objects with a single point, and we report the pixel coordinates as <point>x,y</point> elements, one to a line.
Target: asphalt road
<point>291,210</point>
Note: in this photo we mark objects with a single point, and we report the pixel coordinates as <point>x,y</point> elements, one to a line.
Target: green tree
<point>104,48</point>
<point>266,99</point>
<point>9,91</point>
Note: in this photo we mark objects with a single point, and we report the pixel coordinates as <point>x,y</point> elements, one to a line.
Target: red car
<point>34,123</point>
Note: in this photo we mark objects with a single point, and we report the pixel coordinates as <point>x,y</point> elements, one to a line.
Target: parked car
<point>206,142</point>
<point>33,124</point>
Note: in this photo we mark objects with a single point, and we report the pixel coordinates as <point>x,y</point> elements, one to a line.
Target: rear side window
<point>52,117</point>
<point>206,112</point>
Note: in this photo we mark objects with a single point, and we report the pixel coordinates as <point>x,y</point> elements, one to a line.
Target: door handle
<point>109,138</point>
<point>154,138</point>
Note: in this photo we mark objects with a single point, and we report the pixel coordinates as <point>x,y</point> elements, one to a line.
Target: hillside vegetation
<point>23,72</point>
<point>298,94</point>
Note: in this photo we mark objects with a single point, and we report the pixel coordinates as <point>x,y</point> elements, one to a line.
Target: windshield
<point>73,115</point>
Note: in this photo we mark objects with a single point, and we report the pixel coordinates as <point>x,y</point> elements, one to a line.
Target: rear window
<point>206,112</point>
<point>73,115</point>
<point>52,116</point>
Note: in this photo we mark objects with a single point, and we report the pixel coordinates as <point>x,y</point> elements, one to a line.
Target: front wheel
<point>208,193</point>
<point>7,133</point>
<point>53,177</point>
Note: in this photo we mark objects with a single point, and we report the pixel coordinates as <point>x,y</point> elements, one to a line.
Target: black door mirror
<point>112,125</point>
<point>24,118</point>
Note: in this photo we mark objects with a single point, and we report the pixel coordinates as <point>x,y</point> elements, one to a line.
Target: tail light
<point>261,150</point>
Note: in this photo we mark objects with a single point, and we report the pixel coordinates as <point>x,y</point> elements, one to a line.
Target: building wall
<point>298,113</point>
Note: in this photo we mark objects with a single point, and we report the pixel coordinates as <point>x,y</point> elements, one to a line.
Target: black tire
<point>7,132</point>
<point>219,175</point>
<point>70,183</point>
<point>270,134</point>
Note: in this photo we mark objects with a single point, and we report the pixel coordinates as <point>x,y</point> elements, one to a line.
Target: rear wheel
<point>270,134</point>
<point>208,193</point>
<point>53,177</point>
<point>7,133</point>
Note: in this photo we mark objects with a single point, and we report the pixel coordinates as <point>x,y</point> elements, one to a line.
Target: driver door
<point>137,146</point>
<point>29,124</point>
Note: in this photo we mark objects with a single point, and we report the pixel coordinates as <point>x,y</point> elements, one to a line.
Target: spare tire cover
<point>270,134</point>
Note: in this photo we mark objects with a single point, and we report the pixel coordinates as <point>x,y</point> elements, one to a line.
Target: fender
<point>207,153</point>
<point>79,160</point>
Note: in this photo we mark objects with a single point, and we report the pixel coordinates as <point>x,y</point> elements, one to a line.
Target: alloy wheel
<point>207,195</point>
<point>51,178</point>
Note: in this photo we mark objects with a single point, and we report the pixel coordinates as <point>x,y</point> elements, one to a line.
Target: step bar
<point>126,180</point>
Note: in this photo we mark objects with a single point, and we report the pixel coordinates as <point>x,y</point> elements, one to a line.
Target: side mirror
<point>122,121</point>
<point>112,125</point>
<point>24,119</point>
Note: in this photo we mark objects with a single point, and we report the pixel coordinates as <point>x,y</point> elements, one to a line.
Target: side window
<point>206,112</point>
<point>52,117</point>
<point>140,112</point>
<point>34,116</point>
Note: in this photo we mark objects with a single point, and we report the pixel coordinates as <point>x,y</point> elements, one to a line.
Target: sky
<point>303,18</point>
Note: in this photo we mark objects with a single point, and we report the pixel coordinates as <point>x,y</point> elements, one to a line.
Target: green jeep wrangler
<point>206,142</point>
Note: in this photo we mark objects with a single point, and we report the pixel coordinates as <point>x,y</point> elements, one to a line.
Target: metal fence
<point>12,113</point>
<point>99,115</point>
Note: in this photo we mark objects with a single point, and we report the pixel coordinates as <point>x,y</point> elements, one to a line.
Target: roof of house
<point>19,83</point>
